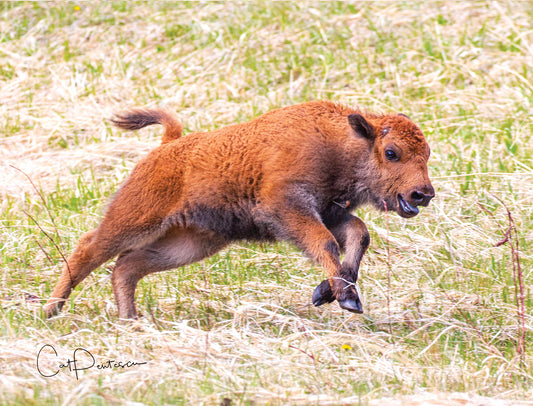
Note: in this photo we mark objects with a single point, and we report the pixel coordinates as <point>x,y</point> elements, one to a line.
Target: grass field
<point>444,317</point>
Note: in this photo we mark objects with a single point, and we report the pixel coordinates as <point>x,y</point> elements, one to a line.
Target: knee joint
<point>332,248</point>
<point>365,240</point>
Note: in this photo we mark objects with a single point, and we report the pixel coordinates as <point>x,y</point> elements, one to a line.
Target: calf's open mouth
<point>407,208</point>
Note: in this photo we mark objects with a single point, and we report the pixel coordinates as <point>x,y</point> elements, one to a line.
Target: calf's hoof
<point>348,298</point>
<point>352,303</point>
<point>323,294</point>
<point>52,308</point>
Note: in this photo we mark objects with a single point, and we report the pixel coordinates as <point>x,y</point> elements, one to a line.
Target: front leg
<point>353,237</point>
<point>292,216</point>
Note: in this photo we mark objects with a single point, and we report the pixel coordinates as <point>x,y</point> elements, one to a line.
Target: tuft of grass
<point>442,322</point>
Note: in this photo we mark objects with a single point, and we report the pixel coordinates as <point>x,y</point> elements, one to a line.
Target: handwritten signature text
<point>81,360</point>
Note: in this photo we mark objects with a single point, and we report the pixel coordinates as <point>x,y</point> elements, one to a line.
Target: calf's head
<point>398,174</point>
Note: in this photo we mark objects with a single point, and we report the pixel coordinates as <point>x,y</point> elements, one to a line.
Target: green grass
<point>440,320</point>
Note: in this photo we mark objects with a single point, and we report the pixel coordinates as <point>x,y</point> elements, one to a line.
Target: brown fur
<point>291,174</point>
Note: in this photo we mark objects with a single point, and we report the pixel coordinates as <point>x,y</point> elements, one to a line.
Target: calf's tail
<point>139,118</point>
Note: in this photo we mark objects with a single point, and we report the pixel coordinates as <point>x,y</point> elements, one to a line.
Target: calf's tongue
<point>407,207</point>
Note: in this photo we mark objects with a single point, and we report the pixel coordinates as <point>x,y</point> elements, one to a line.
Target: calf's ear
<point>361,126</point>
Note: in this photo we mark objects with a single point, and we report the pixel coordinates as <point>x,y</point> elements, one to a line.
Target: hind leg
<point>176,248</point>
<point>93,249</point>
<point>87,256</point>
<point>133,220</point>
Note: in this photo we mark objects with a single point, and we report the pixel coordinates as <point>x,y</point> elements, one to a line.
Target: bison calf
<point>292,174</point>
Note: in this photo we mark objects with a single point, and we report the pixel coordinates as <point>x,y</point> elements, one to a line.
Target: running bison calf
<point>292,174</point>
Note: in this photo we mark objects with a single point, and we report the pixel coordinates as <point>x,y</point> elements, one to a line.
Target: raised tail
<point>139,118</point>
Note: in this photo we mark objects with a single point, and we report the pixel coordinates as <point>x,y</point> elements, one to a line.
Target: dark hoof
<point>323,294</point>
<point>351,302</point>
<point>349,299</point>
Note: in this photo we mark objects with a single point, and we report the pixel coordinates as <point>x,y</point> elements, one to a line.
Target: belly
<point>233,222</point>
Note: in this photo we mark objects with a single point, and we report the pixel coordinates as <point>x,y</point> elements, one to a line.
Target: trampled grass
<point>441,320</point>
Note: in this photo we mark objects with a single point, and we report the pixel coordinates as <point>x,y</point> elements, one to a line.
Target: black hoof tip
<point>352,305</point>
<point>323,294</point>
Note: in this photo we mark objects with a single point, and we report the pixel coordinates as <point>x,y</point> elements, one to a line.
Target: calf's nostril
<point>417,197</point>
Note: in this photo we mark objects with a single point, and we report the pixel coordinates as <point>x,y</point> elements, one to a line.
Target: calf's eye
<point>391,155</point>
